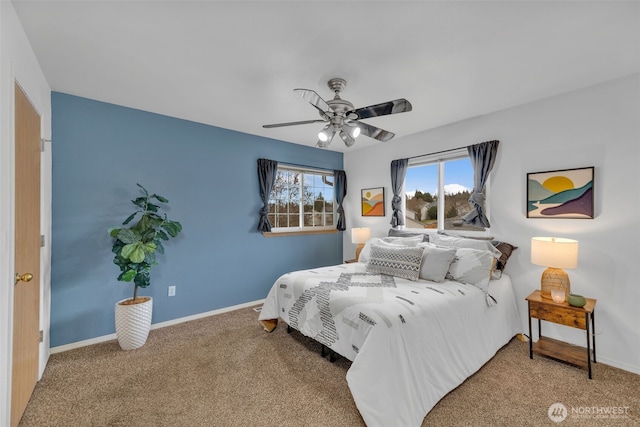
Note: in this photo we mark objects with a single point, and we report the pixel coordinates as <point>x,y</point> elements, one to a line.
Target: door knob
<point>26,277</point>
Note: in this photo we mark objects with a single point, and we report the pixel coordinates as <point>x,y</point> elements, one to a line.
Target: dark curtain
<point>267,170</point>
<point>398,173</point>
<point>340,186</point>
<point>482,156</point>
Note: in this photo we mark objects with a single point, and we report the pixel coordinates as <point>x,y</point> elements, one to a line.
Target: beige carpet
<point>226,371</point>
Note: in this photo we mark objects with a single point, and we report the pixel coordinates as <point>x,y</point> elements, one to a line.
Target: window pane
<point>328,219</point>
<point>308,207</point>
<point>281,221</point>
<point>318,201</point>
<point>308,220</point>
<point>458,185</point>
<point>421,184</point>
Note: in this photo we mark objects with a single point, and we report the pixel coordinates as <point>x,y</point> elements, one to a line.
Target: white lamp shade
<point>360,235</point>
<point>554,252</point>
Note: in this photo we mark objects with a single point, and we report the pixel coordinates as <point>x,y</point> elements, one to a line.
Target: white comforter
<point>410,342</point>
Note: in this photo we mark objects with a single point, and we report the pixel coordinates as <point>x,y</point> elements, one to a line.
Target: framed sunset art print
<point>373,201</point>
<point>564,193</point>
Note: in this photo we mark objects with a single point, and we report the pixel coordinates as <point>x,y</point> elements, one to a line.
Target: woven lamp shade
<point>555,253</point>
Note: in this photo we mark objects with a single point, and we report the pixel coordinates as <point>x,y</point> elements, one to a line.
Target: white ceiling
<point>234,64</point>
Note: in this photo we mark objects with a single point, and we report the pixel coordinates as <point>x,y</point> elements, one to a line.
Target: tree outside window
<point>302,199</point>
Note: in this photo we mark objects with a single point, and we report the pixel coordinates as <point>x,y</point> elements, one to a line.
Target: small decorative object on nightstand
<point>563,314</point>
<point>558,295</point>
<point>576,300</point>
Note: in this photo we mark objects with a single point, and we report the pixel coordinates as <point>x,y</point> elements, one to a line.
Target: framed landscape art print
<point>564,193</point>
<point>373,201</point>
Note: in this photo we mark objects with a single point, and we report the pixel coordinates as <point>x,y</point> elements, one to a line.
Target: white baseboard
<point>619,365</point>
<point>96,340</point>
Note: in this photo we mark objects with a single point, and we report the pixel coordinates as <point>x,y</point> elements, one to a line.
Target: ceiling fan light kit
<point>342,118</point>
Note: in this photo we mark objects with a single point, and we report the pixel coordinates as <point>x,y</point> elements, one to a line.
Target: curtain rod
<point>304,166</point>
<point>446,151</point>
<point>437,152</point>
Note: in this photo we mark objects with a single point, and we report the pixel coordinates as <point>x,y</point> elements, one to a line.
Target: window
<point>302,199</point>
<point>428,177</point>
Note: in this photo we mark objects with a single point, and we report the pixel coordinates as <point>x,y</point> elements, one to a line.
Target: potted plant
<point>135,250</point>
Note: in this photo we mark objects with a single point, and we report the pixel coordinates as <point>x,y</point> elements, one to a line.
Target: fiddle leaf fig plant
<point>135,246</point>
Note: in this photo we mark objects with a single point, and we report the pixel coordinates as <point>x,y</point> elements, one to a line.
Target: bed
<point>411,340</point>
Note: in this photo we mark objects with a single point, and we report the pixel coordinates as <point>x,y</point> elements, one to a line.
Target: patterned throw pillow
<point>472,266</point>
<point>388,241</point>
<point>505,249</point>
<point>395,261</point>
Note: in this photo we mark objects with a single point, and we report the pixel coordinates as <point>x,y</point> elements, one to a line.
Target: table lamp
<point>555,253</point>
<point>360,237</point>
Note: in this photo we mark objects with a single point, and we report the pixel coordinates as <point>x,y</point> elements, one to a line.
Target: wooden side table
<point>563,314</point>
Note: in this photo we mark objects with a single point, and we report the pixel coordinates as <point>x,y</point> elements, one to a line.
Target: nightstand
<point>563,314</point>
<point>349,261</point>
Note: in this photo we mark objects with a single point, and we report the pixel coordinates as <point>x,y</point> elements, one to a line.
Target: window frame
<point>302,229</point>
<point>440,159</point>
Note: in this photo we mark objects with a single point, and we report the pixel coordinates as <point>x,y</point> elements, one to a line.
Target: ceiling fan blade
<point>392,107</point>
<point>375,133</point>
<point>304,122</point>
<point>314,99</point>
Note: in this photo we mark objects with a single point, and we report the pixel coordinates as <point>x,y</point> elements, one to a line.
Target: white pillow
<point>472,266</point>
<point>390,241</point>
<point>435,261</point>
<point>411,241</point>
<point>399,261</point>
<point>461,242</point>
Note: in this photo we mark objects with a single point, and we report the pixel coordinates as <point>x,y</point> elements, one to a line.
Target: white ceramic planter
<point>133,323</point>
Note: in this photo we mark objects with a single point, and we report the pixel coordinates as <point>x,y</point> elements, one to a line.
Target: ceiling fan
<point>342,118</point>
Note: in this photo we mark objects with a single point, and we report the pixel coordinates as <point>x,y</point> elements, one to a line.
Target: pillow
<point>396,261</point>
<point>394,232</point>
<point>461,242</point>
<point>396,241</point>
<point>505,249</point>
<point>411,241</point>
<point>366,250</point>
<point>472,266</point>
<point>435,261</point>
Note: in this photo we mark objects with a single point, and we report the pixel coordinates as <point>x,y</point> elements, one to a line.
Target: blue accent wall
<point>100,151</point>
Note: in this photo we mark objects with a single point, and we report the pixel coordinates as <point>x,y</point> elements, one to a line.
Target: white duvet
<point>410,342</point>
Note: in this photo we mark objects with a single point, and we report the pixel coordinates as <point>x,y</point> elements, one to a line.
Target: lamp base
<point>554,278</point>
<point>358,250</point>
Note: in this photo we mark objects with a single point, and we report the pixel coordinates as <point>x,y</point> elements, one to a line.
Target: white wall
<point>18,63</point>
<point>596,126</point>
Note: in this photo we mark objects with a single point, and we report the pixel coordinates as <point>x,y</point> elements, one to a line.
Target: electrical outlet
<point>172,291</point>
